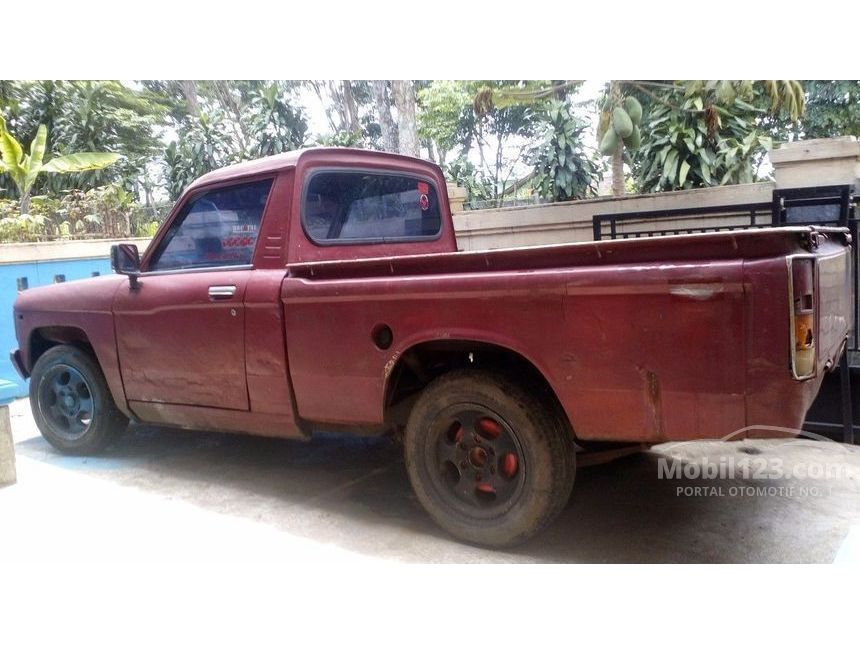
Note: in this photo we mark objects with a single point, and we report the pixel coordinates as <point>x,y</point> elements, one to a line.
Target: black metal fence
<point>609,226</point>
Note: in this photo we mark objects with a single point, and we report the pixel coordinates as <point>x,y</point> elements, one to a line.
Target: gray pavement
<point>163,495</point>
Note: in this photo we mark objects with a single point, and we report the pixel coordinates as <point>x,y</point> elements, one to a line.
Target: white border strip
<point>63,250</point>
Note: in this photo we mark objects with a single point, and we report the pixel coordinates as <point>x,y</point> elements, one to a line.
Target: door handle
<point>222,292</point>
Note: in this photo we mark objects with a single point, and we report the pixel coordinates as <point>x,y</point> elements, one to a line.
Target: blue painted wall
<point>37,273</point>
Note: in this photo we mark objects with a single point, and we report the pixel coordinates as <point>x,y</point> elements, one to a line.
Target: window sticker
<point>424,201</point>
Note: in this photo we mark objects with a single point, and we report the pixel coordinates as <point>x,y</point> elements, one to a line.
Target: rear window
<point>343,206</point>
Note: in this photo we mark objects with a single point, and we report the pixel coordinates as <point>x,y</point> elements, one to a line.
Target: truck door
<point>181,332</point>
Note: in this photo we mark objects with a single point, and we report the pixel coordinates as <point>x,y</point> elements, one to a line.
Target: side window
<point>343,206</point>
<point>218,228</point>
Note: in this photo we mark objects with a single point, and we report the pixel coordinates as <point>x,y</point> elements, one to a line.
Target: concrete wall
<point>572,221</point>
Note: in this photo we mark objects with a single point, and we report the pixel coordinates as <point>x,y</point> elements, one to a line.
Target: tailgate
<point>835,305</point>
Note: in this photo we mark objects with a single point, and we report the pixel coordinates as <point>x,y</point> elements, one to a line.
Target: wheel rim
<point>66,402</point>
<point>476,460</point>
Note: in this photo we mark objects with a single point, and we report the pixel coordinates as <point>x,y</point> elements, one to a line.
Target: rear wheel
<point>71,403</point>
<point>490,462</point>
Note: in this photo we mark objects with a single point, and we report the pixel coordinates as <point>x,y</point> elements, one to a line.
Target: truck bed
<point>646,340</point>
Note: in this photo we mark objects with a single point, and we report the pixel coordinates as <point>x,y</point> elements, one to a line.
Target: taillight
<point>803,317</point>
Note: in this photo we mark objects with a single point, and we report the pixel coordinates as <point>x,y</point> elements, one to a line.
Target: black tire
<point>71,403</point>
<point>510,502</point>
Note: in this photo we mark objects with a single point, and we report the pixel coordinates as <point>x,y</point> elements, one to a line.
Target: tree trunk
<point>618,188</point>
<point>25,203</point>
<point>350,110</point>
<point>383,111</point>
<point>230,104</point>
<point>407,129</point>
<point>189,90</point>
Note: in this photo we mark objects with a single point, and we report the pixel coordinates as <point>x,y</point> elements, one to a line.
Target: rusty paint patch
<point>653,399</point>
<point>389,365</point>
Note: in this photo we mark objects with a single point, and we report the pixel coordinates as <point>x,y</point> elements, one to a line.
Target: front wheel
<point>489,461</point>
<point>71,403</point>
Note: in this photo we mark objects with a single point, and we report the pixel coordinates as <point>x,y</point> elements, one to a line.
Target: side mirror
<point>125,260</point>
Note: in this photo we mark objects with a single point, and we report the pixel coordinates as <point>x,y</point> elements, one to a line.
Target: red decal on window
<point>423,187</point>
<point>424,202</point>
<point>237,241</point>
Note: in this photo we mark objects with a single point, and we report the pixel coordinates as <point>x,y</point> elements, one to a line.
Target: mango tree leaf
<point>747,106</point>
<point>80,161</point>
<point>682,176</point>
<point>706,173</point>
<point>670,166</point>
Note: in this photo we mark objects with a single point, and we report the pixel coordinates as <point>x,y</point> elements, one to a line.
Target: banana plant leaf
<point>37,153</point>
<point>81,161</point>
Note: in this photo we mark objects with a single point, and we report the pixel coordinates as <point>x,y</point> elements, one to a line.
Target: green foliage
<point>350,110</point>
<point>832,109</point>
<point>502,134</point>
<point>233,121</point>
<point>275,126</point>
<point>696,145</point>
<point>342,139</point>
<point>564,170</point>
<point>202,146</point>
<point>18,227</point>
<point>494,117</point>
<point>445,117</point>
<point>781,96</point>
<point>494,95</point>
<point>25,168</point>
<point>463,172</point>
<point>85,116</point>
<point>109,211</point>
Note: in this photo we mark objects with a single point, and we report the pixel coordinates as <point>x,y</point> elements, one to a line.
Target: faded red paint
<point>640,340</point>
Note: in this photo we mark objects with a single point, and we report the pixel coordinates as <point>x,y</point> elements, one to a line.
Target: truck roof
<point>290,159</point>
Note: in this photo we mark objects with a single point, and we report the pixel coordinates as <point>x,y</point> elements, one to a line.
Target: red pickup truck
<point>322,289</point>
